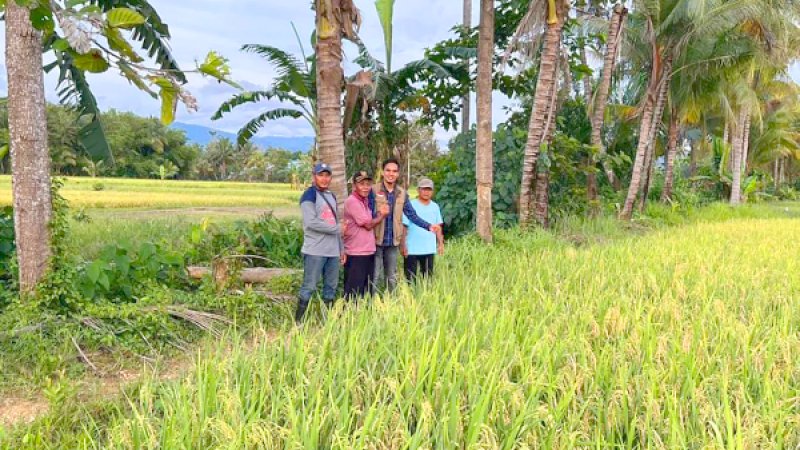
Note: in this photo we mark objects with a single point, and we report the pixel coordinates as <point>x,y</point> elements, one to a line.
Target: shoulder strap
<point>332,207</point>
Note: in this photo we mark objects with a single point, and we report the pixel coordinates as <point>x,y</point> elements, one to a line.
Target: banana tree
<point>73,30</point>
<point>378,100</point>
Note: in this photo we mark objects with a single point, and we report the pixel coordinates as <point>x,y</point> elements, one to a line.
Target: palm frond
<point>529,30</point>
<point>252,97</point>
<point>283,61</point>
<point>251,128</point>
<point>365,60</point>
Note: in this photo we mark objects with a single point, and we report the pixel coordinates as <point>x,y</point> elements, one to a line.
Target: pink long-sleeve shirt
<point>358,240</point>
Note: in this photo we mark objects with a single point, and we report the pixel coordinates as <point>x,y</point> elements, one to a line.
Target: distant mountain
<point>198,134</point>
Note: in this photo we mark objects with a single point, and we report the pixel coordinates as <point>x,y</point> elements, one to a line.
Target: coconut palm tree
<point>666,29</point>
<point>597,109</point>
<point>335,20</point>
<point>549,16</point>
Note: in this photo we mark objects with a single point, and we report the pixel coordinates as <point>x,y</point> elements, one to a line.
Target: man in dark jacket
<point>323,249</point>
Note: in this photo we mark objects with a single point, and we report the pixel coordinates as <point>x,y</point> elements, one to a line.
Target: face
<point>363,187</point>
<point>391,172</point>
<point>322,180</point>
<point>425,193</point>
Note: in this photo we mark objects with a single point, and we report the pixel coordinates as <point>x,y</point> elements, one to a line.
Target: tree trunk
<point>566,85</point>
<point>30,160</point>
<point>330,78</point>
<point>672,150</point>
<point>483,157</point>
<point>746,142</point>
<point>693,157</point>
<point>542,196</point>
<point>603,88</point>
<point>541,202</point>
<point>465,101</point>
<point>587,82</point>
<point>650,113</point>
<point>648,174</point>
<point>737,153</point>
<point>775,174</point>
<point>651,149</point>
<point>545,90</point>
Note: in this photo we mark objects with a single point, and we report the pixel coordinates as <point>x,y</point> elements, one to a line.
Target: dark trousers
<point>358,276</point>
<point>418,265</point>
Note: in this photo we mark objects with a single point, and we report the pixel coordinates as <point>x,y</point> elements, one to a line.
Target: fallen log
<point>250,275</point>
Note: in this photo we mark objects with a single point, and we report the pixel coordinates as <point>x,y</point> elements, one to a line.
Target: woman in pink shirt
<point>359,240</point>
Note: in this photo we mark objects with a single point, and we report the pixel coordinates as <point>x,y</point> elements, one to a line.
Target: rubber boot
<point>300,312</point>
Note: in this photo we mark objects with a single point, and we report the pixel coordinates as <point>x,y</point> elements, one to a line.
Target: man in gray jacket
<point>323,249</point>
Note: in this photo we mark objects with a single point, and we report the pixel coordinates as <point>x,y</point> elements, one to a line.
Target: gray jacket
<point>321,233</point>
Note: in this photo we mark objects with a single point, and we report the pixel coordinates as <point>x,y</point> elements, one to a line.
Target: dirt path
<point>109,381</point>
<point>19,409</point>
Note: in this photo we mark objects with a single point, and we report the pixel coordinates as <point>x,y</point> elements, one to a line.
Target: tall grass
<point>683,338</point>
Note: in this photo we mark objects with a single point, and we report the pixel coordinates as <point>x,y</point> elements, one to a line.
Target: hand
<point>404,251</point>
<point>435,228</point>
<point>344,227</point>
<point>383,210</point>
<point>440,249</point>
<point>343,259</point>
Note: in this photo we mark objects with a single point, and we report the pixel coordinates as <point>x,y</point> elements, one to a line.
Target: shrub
<point>6,246</point>
<point>274,242</point>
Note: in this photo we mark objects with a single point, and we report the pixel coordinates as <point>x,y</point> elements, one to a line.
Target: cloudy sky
<point>198,26</point>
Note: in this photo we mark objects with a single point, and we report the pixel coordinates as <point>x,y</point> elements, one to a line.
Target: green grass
<point>82,192</point>
<point>685,337</point>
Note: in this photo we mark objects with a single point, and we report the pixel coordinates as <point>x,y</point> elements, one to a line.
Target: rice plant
<point>683,338</point>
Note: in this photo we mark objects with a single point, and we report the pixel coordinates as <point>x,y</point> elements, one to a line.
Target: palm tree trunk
<point>542,195</point>
<point>604,87</point>
<point>650,113</point>
<point>483,157</point>
<point>746,142</point>
<point>541,202</point>
<point>775,165</point>
<point>330,78</point>
<point>672,150</point>
<point>30,160</point>
<point>566,86</point>
<point>545,89</point>
<point>465,101</point>
<point>651,150</point>
<point>737,152</point>
<point>587,82</point>
<point>693,157</point>
<point>648,174</point>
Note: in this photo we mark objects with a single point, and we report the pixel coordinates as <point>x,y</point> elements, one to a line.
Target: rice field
<point>85,192</point>
<point>683,338</point>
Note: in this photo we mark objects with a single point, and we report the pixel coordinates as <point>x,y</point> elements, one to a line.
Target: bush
<point>275,242</point>
<point>6,246</point>
<point>123,267</point>
<point>457,192</point>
